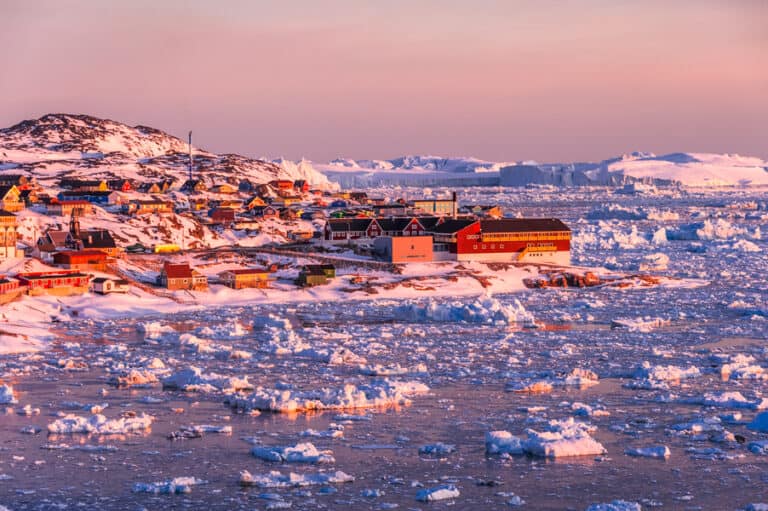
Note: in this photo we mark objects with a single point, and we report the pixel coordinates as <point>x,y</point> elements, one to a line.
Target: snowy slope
<point>80,145</point>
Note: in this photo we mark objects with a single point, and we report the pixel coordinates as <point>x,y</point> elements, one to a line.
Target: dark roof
<point>79,193</point>
<point>429,222</point>
<point>349,224</point>
<point>5,213</point>
<point>453,225</point>
<point>523,225</point>
<point>97,238</point>
<point>394,224</point>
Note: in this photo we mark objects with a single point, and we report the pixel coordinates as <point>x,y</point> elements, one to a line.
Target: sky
<point>499,80</point>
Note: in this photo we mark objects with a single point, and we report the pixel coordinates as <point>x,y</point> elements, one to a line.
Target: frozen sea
<point>647,395</point>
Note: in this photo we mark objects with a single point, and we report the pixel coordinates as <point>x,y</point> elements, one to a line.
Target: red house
<point>546,240</point>
<point>55,282</point>
<point>282,184</point>
<point>222,215</point>
<point>81,260</point>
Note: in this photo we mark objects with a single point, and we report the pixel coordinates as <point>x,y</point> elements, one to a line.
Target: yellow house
<point>10,199</point>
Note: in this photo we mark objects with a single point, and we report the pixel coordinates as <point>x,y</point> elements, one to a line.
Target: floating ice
<point>376,394</point>
<point>299,453</point>
<point>645,324</point>
<point>281,337</point>
<point>6,395</point>
<point>657,451</point>
<point>154,329</point>
<point>275,479</point>
<point>759,423</point>
<point>442,492</point>
<point>178,485</point>
<point>100,425</point>
<point>502,442</point>
<point>658,377</point>
<point>728,400</point>
<point>486,310</point>
<point>563,438</point>
<point>439,449</point>
<point>616,505</point>
<point>193,379</point>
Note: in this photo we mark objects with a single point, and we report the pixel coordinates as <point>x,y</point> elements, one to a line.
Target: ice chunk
<point>616,505</point>
<point>759,423</point>
<point>299,453</point>
<point>275,479</point>
<point>376,394</point>
<point>442,492</point>
<point>100,425</point>
<point>486,310</point>
<point>177,485</point>
<point>6,395</point>
<point>656,451</point>
<point>193,379</point>
<point>439,449</point>
<point>502,442</point>
<point>728,400</point>
<point>563,438</point>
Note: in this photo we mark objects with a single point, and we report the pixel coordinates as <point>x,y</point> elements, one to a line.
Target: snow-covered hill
<point>85,146</point>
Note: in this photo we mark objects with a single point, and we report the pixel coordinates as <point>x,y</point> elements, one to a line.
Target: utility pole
<point>190,156</point>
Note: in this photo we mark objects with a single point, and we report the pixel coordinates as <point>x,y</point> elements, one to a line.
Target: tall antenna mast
<point>190,156</point>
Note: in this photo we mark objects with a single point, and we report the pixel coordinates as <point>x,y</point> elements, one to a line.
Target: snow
<point>276,479</point>
<point>442,492</point>
<point>99,425</point>
<point>728,399</point>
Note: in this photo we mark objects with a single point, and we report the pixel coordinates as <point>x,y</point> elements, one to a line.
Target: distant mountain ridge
<point>687,169</point>
<point>87,146</point>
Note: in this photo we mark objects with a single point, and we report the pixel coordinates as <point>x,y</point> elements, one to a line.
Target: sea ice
<point>100,425</point>
<point>275,479</point>
<point>376,394</point>
<point>442,492</point>
<point>177,485</point>
<point>193,379</point>
<point>657,451</point>
<point>299,453</point>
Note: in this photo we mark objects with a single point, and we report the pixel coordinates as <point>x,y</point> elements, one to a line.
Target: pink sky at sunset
<point>499,80</point>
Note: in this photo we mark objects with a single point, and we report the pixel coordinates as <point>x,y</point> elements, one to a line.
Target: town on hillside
<point>78,233</point>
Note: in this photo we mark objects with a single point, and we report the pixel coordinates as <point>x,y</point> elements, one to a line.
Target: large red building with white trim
<point>546,240</point>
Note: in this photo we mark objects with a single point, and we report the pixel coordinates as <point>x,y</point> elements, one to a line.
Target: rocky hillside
<point>58,145</point>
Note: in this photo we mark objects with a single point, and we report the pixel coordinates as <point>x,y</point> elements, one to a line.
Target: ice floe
<point>300,453</point>
<point>487,310</point>
<point>442,492</point>
<point>656,451</point>
<point>376,394</point>
<point>276,479</point>
<point>193,379</point>
<point>100,425</point>
<point>177,485</point>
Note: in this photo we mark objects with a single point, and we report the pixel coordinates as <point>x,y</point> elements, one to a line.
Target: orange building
<point>404,249</point>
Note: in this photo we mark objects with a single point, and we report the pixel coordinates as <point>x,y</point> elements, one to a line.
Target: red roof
<point>177,271</point>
